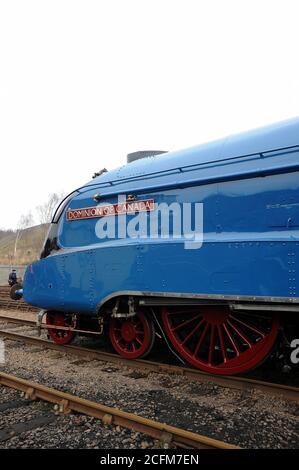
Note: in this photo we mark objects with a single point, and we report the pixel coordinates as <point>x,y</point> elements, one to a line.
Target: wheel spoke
<point>212,344</point>
<point>222,345</point>
<point>201,340</point>
<point>231,339</point>
<point>193,332</point>
<point>258,332</point>
<point>187,322</point>
<point>244,338</point>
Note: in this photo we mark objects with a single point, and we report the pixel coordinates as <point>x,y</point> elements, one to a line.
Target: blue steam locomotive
<point>202,244</point>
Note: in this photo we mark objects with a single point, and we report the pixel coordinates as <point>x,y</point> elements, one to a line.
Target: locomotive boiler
<point>200,245</point>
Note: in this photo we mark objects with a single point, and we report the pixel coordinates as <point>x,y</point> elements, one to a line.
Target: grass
<point>29,246</point>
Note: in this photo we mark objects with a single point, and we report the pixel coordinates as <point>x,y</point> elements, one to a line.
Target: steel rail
<point>232,382</point>
<point>17,321</point>
<point>66,403</point>
<point>45,326</point>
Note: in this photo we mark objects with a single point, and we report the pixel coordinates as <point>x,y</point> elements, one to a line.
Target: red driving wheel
<point>132,337</point>
<point>60,319</point>
<point>219,341</point>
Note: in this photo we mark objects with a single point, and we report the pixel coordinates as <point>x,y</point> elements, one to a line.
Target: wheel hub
<point>216,316</point>
<point>132,337</point>
<point>128,331</point>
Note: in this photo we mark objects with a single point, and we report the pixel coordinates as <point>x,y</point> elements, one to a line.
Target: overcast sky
<point>82,83</point>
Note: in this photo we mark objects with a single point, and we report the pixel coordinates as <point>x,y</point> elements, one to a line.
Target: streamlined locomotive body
<point>203,243</point>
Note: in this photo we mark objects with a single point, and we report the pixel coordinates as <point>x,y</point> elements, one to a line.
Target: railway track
<point>16,404</point>
<point>66,403</point>
<point>4,291</point>
<point>233,382</point>
<point>6,304</point>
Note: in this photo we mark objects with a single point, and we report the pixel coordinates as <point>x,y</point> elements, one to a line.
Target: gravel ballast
<point>248,419</point>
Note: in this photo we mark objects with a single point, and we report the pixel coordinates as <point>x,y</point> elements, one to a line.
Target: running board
<point>160,302</point>
<point>156,302</point>
<point>265,307</point>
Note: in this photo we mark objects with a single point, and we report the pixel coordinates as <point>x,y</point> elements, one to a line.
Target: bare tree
<point>26,220</point>
<point>45,211</point>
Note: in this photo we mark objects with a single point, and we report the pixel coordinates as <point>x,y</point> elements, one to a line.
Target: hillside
<point>29,245</point>
<point>5,233</point>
